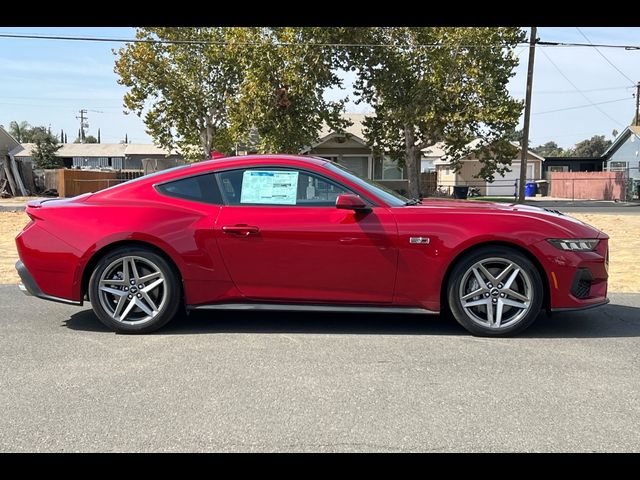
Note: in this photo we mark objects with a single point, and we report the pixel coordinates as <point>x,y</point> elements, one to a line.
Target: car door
<point>283,239</point>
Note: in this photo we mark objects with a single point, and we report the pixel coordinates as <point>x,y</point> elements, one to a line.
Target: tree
<point>61,136</point>
<point>592,147</point>
<point>549,149</point>
<point>90,139</point>
<point>19,130</point>
<point>281,89</point>
<point>182,90</point>
<point>439,84</point>
<point>44,155</point>
<point>98,135</point>
<point>65,138</point>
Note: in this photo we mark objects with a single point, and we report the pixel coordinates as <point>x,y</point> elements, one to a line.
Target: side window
<point>264,186</point>
<point>200,188</point>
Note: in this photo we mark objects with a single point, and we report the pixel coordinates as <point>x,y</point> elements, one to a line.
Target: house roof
<point>97,150</point>
<point>474,145</point>
<point>7,142</point>
<point>621,138</point>
<point>356,129</point>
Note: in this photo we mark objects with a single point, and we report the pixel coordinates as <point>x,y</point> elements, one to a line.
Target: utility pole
<point>83,124</point>
<point>636,122</point>
<point>527,115</point>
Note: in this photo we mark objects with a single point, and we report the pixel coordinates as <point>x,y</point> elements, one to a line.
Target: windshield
<point>394,199</point>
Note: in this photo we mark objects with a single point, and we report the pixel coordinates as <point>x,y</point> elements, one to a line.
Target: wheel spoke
<point>513,276</point>
<point>115,281</point>
<point>475,303</point>
<point>143,307</point>
<point>504,272</point>
<point>481,281</point>
<point>473,294</point>
<point>121,301</point>
<point>516,295</point>
<point>134,270</point>
<point>151,276</point>
<point>130,306</point>
<point>153,285</point>
<point>125,270</point>
<point>114,291</point>
<point>150,301</point>
<point>487,274</point>
<point>498,320</point>
<point>513,303</point>
<point>490,313</point>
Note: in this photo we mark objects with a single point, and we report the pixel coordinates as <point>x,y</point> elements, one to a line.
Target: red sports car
<point>283,232</point>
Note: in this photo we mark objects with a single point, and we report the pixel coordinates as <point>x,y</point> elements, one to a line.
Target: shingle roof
<point>97,150</point>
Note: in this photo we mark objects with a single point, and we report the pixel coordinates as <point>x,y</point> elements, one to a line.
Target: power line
<point>580,91</point>
<point>606,59</point>
<point>577,44</point>
<point>581,106</point>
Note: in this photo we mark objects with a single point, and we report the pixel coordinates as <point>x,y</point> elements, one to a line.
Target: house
<point>351,150</point>
<point>117,156</point>
<point>624,152</point>
<point>501,186</point>
<point>571,164</point>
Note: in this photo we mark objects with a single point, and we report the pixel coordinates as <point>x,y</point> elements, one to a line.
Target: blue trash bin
<point>530,189</point>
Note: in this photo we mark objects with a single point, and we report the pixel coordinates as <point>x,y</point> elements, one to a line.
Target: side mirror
<point>349,201</point>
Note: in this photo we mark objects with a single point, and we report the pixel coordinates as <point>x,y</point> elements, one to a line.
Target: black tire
<point>464,316</point>
<point>171,291</point>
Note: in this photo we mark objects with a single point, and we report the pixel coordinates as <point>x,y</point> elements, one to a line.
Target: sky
<point>47,82</point>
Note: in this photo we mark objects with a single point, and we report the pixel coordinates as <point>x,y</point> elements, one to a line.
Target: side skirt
<point>310,308</point>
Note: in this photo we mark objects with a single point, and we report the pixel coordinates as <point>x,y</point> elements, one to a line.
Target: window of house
<point>447,171</point>
<point>271,186</point>
<point>559,168</point>
<point>387,169</point>
<point>200,188</point>
<point>617,166</point>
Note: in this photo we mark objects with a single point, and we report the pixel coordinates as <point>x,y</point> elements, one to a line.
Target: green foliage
<point>592,147</point>
<point>455,92</point>
<point>19,130</point>
<point>549,149</point>
<point>44,155</point>
<point>181,90</point>
<point>87,139</point>
<point>280,95</point>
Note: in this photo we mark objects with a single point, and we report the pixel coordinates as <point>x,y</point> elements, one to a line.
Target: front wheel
<point>495,291</point>
<point>134,290</point>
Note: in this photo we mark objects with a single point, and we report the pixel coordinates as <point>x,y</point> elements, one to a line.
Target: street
<point>256,381</point>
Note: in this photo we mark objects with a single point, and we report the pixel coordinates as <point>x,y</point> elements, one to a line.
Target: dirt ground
<point>624,231</point>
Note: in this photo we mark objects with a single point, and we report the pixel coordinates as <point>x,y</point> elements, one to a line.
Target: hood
<point>571,227</point>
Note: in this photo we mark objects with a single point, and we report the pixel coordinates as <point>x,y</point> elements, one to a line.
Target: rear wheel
<point>495,291</point>
<point>134,290</point>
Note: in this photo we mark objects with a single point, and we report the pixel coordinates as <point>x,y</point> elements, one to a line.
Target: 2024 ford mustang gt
<point>285,232</point>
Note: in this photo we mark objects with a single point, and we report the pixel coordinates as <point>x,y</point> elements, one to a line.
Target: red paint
<point>295,253</point>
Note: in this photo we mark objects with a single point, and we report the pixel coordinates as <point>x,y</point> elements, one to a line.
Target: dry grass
<point>624,245</point>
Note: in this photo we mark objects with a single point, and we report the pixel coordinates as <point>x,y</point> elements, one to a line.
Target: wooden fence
<point>76,182</point>
<point>588,185</point>
<point>428,183</point>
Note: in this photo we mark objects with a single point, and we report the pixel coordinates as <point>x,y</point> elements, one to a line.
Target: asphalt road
<point>238,381</point>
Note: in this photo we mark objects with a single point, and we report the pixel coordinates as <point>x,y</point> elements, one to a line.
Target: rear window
<point>200,188</point>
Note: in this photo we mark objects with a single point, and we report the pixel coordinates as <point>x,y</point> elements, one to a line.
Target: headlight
<point>574,244</point>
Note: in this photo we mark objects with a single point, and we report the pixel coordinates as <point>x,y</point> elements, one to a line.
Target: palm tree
<point>18,130</point>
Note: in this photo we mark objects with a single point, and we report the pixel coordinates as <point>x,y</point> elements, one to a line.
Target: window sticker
<point>269,187</point>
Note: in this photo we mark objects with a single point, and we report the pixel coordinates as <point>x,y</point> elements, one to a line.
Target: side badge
<point>421,240</point>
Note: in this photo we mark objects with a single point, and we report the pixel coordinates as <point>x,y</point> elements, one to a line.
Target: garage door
<point>505,186</point>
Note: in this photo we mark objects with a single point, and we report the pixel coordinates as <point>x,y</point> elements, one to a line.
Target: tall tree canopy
<point>182,90</point>
<point>591,147</point>
<point>281,95</point>
<point>549,149</point>
<point>439,84</point>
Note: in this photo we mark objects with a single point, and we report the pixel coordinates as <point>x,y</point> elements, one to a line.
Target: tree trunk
<point>206,137</point>
<point>412,159</point>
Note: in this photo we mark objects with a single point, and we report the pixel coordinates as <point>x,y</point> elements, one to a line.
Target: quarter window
<point>200,188</point>
<point>270,186</point>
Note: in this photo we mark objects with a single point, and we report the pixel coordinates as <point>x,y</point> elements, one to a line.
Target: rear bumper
<point>29,286</point>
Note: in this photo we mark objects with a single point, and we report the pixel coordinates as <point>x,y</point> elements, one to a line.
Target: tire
<point>139,298</point>
<point>497,309</point>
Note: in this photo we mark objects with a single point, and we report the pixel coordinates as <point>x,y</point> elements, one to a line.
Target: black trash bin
<point>460,192</point>
<point>543,187</point>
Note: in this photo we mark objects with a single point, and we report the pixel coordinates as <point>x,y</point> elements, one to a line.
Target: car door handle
<point>244,230</point>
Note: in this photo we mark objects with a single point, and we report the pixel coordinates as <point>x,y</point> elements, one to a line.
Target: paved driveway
<point>317,382</point>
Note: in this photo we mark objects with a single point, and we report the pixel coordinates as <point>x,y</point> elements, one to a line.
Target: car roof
<point>241,161</point>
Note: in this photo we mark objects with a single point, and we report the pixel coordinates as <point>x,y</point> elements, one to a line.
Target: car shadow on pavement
<point>608,321</point>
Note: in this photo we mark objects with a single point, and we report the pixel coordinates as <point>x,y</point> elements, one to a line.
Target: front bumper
<point>29,286</point>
